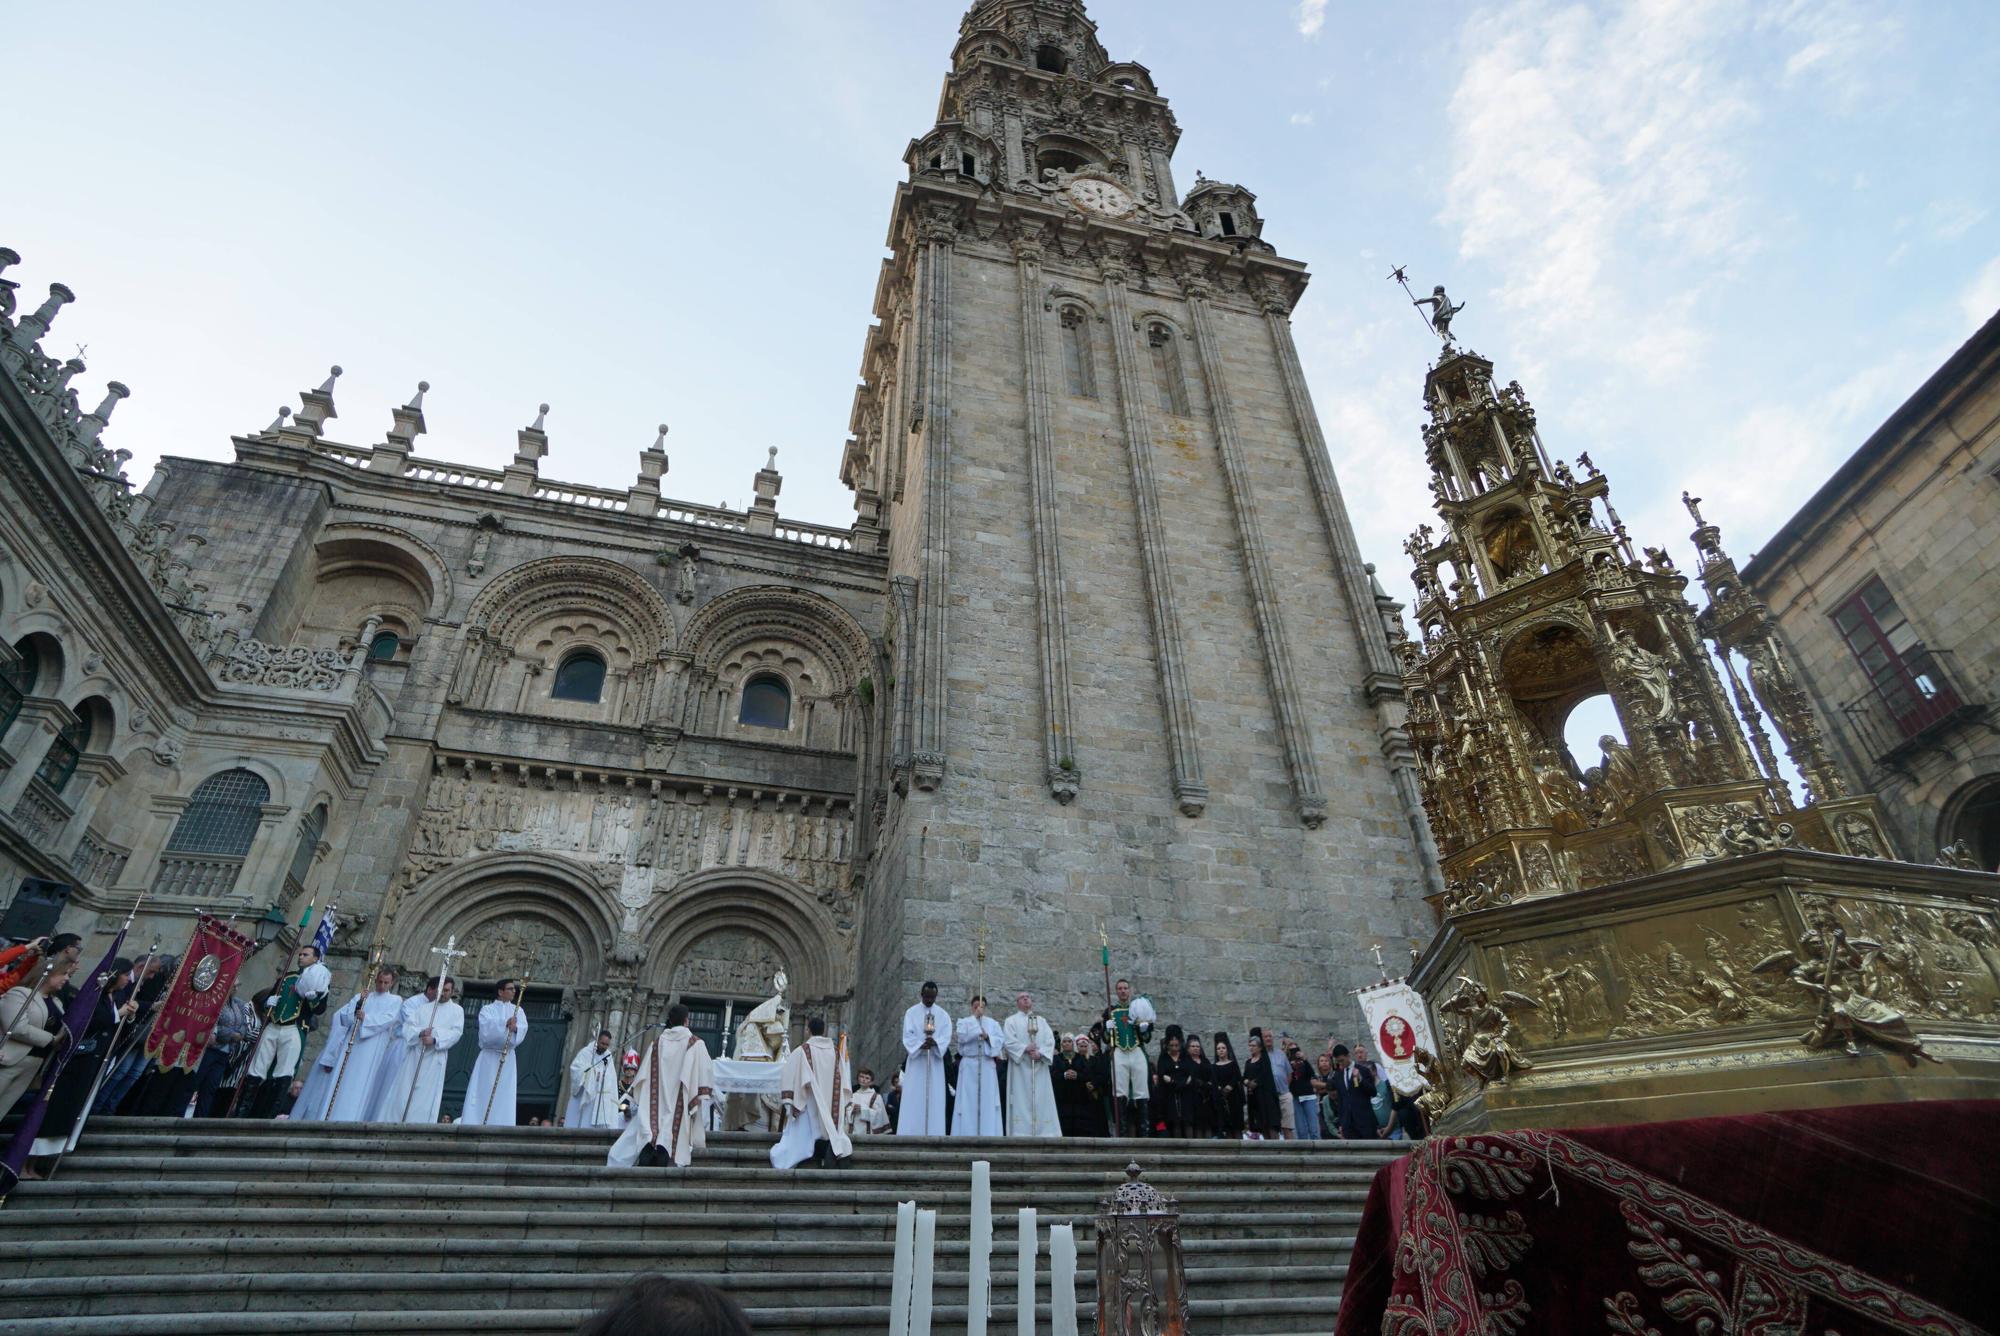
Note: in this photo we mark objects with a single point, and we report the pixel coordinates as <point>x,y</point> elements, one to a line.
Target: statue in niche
<point>690,559</point>
<point>1644,675</point>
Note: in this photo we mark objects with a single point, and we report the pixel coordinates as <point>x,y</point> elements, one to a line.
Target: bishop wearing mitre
<point>1031,1092</point>
<point>979,1041</point>
<point>669,1097</point>
<point>814,1087</point>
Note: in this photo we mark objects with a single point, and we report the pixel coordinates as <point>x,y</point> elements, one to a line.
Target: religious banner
<point>201,986</point>
<point>1400,1025</point>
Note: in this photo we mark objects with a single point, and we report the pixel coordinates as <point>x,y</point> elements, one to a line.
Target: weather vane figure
<point>1441,309</point>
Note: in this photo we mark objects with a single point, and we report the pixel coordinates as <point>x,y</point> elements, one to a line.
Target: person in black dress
<point>1173,1086</point>
<point>1226,1080</point>
<point>1098,1064</point>
<point>1201,1116</point>
<point>1261,1092</point>
<point>1072,1086</point>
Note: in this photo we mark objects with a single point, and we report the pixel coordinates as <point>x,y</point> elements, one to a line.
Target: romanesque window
<point>222,816</point>
<point>1167,376</point>
<point>17,683</point>
<point>767,703</point>
<point>384,647</point>
<point>580,678</point>
<point>59,762</point>
<point>1077,370</point>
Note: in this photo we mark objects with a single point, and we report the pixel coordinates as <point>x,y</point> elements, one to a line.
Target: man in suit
<point>1354,1098</point>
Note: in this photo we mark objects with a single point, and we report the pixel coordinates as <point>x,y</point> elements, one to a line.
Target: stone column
<point>1190,790</point>
<point>93,778</point>
<point>1058,736</point>
<point>938,234</point>
<point>1293,727</point>
<point>262,879</point>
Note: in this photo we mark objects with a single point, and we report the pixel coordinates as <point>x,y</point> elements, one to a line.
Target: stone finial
<point>763,513</point>
<point>9,257</point>
<point>531,444</point>
<point>278,423</point>
<point>315,407</point>
<point>660,441</point>
<point>644,496</point>
<point>99,418</point>
<point>408,425</point>
<point>29,332</point>
<point>540,418</point>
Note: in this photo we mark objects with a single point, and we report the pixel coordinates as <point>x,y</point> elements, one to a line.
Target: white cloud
<point>1982,298</point>
<point>1950,219</point>
<point>1312,17</point>
<point>1839,44</point>
<point>1302,118</point>
<point>1593,158</point>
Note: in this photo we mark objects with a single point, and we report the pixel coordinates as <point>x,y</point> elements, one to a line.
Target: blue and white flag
<point>323,939</point>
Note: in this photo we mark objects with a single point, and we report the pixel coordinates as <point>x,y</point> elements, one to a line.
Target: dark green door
<point>538,1081</point>
<point>705,1019</point>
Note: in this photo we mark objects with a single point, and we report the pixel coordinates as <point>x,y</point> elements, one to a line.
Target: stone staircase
<point>193,1228</point>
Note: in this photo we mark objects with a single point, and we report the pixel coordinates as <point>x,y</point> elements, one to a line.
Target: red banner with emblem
<point>201,986</point>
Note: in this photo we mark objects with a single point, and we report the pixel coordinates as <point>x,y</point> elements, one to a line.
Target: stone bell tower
<point>1135,672</point>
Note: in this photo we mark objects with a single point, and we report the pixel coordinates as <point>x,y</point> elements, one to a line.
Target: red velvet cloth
<point>1827,1222</point>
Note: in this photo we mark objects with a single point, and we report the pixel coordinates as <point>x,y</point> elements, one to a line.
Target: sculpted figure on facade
<point>1843,975</point>
<point>1487,1051</point>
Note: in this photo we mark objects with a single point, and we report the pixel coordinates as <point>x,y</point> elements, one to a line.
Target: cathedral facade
<point>1097,660</point>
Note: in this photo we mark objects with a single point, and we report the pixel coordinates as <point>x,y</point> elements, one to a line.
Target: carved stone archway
<point>746,908</point>
<point>514,910</point>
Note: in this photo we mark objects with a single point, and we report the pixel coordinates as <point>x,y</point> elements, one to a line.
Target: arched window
<point>17,682</point>
<point>222,816</point>
<point>580,678</point>
<point>1228,221</point>
<point>384,647</point>
<point>59,762</point>
<point>767,703</point>
<point>1077,370</point>
<point>1049,58</point>
<point>311,830</point>
<point>1167,370</point>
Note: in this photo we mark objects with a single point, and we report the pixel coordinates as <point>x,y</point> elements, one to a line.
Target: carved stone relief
<point>512,946</point>
<point>1925,961</point>
<point>730,963</point>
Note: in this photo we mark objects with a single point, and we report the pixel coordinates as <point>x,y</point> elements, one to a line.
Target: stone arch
<point>533,615</point>
<point>982,42</point>
<point>555,909</point>
<point>807,639</point>
<point>1971,813</point>
<point>193,776</point>
<point>762,903</point>
<point>368,571</point>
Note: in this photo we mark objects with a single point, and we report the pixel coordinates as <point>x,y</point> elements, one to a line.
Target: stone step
<point>47,1258</point>
<point>552,1205</point>
<point>287,1290</point>
<point>662,1228</point>
<point>1251,1316</point>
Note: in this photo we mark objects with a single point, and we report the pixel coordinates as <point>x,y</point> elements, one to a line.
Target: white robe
<point>922,1114</point>
<point>593,1088</point>
<point>1031,1091</point>
<point>348,1072</point>
<point>815,1083</point>
<point>681,1106</point>
<point>414,1088</point>
<point>492,1084</point>
<point>977,1110</point>
<point>867,1113</point>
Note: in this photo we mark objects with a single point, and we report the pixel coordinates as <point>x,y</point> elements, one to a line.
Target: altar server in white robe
<point>593,1085</point>
<point>431,1023</point>
<point>979,1041</point>
<point>670,1099</point>
<point>1031,1092</point>
<point>926,1031</point>
<point>349,1065</point>
<point>867,1112</point>
<point>489,1094</point>
<point>814,1088</point>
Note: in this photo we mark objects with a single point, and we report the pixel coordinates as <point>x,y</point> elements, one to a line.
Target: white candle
<point>899,1278</point>
<point>920,1283</point>
<point>1024,1273</point>
<point>979,1276</point>
<point>1062,1280</point>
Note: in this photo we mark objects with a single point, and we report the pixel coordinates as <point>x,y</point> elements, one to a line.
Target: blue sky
<point>1716,241</point>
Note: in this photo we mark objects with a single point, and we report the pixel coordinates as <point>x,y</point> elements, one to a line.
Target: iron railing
<point>1907,708</point>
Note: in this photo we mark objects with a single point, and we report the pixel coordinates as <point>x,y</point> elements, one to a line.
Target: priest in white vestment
<point>867,1112</point>
<point>1031,1091</point>
<point>431,1023</point>
<point>926,1031</point>
<point>342,1084</point>
<point>979,1041</point>
<point>814,1089</point>
<point>670,1098</point>
<point>593,1085</point>
<point>489,1094</point>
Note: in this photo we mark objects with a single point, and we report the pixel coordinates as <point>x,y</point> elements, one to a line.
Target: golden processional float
<point>1662,931</point>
